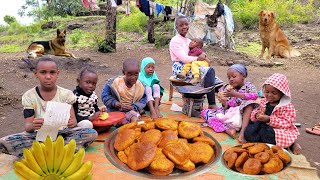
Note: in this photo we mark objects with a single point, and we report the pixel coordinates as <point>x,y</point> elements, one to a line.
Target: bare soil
<point>302,72</point>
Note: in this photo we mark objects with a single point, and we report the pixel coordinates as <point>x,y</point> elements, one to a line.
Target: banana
<point>49,153</point>
<point>58,153</point>
<point>31,161</point>
<point>19,175</point>
<point>43,147</point>
<point>75,164</point>
<point>27,172</point>
<point>39,156</point>
<point>89,177</point>
<point>82,172</point>
<point>68,156</point>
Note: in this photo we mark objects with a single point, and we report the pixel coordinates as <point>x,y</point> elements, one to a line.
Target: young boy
<point>34,103</point>
<point>195,50</point>
<point>125,93</point>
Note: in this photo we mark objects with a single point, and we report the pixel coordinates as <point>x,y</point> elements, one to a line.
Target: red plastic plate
<point>113,118</point>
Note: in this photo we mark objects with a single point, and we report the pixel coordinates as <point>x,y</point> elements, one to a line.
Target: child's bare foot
<point>241,138</point>
<point>296,148</point>
<point>231,133</point>
<point>153,115</point>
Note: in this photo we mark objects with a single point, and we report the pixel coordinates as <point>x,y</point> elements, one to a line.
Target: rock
<point>74,26</point>
<point>50,25</point>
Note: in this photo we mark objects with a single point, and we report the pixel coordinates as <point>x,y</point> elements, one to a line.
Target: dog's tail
<point>294,52</point>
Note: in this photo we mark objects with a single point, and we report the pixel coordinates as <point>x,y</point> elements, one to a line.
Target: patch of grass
<point>10,48</point>
<point>252,48</point>
<point>136,22</point>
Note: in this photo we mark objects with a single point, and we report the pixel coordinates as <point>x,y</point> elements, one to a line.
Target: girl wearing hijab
<point>237,99</point>
<point>273,121</point>
<point>153,90</point>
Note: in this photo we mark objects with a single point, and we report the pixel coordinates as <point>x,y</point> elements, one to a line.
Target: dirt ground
<point>302,72</point>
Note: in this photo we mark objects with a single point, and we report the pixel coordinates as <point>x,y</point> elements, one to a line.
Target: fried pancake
<point>124,139</point>
<point>131,125</point>
<point>184,140</point>
<point>177,151</point>
<point>246,145</point>
<point>257,148</point>
<point>274,165</point>
<point>241,159</point>
<point>165,124</point>
<point>152,135</point>
<point>200,152</point>
<point>263,157</point>
<point>160,164</point>
<point>204,139</point>
<point>227,154</point>
<point>141,155</point>
<point>127,150</point>
<point>252,166</point>
<point>188,166</point>
<point>123,157</point>
<point>167,135</point>
<point>188,130</point>
<point>275,148</point>
<point>232,160</point>
<point>147,126</point>
<point>239,150</point>
<point>285,158</point>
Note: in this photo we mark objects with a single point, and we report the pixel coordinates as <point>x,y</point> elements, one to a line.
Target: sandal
<point>315,130</point>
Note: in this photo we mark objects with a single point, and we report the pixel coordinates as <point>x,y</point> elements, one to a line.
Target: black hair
<point>179,18</point>
<point>86,70</point>
<point>199,41</point>
<point>45,59</point>
<point>129,62</point>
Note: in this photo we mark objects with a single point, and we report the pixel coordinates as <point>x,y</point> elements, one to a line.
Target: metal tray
<point>111,155</point>
<point>224,163</point>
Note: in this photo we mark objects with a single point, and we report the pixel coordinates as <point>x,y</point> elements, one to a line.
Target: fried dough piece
<point>232,160</point>
<point>257,148</point>
<point>184,140</point>
<point>285,158</point>
<point>200,152</point>
<point>274,165</point>
<point>127,150</point>
<point>124,139</point>
<point>204,139</point>
<point>152,135</point>
<point>177,151</point>
<point>240,169</point>
<point>252,166</point>
<point>167,135</point>
<point>165,124</point>
<point>189,130</point>
<point>141,155</point>
<point>160,164</point>
<point>275,149</point>
<point>131,125</point>
<point>246,145</point>
<point>123,157</point>
<point>241,159</point>
<point>263,157</point>
<point>227,154</point>
<point>188,166</point>
<point>239,150</point>
<point>147,126</point>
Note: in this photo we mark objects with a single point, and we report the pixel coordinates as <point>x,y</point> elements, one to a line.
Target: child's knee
<point>85,124</point>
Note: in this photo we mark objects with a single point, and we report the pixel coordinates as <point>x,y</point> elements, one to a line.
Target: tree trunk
<point>151,24</point>
<point>109,44</point>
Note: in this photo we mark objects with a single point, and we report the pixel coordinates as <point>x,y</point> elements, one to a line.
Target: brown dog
<point>273,38</point>
<point>55,47</point>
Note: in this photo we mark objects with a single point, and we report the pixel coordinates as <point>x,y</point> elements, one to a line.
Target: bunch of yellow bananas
<point>53,161</point>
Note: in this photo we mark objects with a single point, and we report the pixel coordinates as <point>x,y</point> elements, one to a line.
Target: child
<point>125,93</point>
<point>240,96</point>
<point>86,105</point>
<point>34,102</point>
<point>273,121</point>
<point>152,86</point>
<point>195,50</point>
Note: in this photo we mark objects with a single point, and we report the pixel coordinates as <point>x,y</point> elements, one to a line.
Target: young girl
<point>273,121</point>
<point>125,93</point>
<point>238,97</point>
<point>153,90</point>
<point>34,102</point>
<point>86,105</point>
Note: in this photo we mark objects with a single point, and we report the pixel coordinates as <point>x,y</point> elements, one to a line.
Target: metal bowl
<point>224,163</point>
<point>110,153</point>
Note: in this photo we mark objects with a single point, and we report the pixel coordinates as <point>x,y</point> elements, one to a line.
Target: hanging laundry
<point>128,8</point>
<point>119,2</point>
<point>167,11</point>
<point>152,7</point>
<point>159,9</point>
<point>92,4</point>
<point>113,3</point>
<point>145,7</point>
<point>138,3</point>
<point>85,4</point>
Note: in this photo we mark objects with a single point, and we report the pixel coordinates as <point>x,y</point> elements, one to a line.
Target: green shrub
<point>10,48</point>
<point>136,22</point>
<point>287,11</point>
<point>75,36</point>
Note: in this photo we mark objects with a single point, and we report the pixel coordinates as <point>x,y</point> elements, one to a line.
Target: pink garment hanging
<point>92,4</point>
<point>85,3</point>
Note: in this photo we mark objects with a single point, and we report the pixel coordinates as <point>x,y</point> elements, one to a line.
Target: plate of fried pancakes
<point>162,148</point>
<point>256,159</point>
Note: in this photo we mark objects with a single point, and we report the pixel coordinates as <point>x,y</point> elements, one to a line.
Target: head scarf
<point>144,77</point>
<point>240,68</point>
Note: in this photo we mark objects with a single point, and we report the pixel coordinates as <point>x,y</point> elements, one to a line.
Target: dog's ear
<point>65,31</point>
<point>260,12</point>
<point>58,32</point>
<point>273,14</point>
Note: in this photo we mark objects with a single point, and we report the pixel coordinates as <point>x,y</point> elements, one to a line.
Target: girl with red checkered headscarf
<point>273,121</point>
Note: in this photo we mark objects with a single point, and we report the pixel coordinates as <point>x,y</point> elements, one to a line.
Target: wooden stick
<point>202,89</point>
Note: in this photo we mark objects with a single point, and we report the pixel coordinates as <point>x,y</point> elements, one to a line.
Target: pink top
<point>179,49</point>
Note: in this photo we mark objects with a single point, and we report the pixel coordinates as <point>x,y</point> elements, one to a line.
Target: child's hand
<point>37,123</point>
<point>72,122</point>
<point>117,105</point>
<point>94,116</point>
<point>126,108</point>
<point>103,108</point>
<point>231,93</point>
<point>262,117</point>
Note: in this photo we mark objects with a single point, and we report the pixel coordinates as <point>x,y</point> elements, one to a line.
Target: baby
<point>195,50</point>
